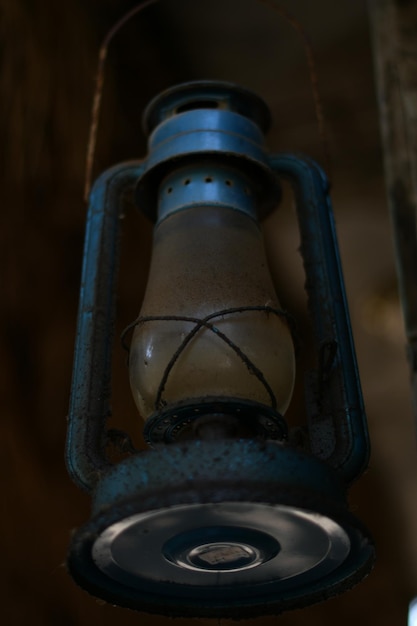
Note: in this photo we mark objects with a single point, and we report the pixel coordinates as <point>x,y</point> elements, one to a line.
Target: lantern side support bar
<point>337,422</point>
<point>91,381</point>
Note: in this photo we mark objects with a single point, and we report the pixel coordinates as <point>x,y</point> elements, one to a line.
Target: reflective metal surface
<point>222,544</point>
<point>227,528</point>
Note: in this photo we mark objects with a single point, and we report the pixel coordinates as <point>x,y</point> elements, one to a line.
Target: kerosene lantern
<point>224,515</point>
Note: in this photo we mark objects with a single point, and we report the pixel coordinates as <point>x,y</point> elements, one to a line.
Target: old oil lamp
<point>223,516</point>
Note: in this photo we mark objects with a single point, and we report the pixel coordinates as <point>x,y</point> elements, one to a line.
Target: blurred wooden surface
<point>394,29</point>
<point>48,64</point>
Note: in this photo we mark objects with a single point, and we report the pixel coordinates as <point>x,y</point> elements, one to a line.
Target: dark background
<point>48,57</point>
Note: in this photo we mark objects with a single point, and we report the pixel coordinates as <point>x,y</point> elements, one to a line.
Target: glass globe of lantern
<point>209,262</point>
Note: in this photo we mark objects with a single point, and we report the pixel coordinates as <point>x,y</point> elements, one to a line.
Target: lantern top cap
<point>206,94</point>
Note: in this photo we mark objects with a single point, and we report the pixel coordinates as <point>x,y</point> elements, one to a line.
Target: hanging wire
<point>313,75</point>
<point>98,91</point>
<point>99,83</point>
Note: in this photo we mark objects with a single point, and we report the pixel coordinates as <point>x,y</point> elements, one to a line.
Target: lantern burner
<point>215,418</point>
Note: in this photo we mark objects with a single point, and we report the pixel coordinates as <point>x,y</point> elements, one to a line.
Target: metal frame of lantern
<point>267,483</point>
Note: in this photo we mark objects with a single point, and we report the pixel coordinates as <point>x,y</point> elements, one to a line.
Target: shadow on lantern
<point>223,516</point>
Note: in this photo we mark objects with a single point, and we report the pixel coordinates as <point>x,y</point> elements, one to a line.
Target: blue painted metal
<point>206,95</point>
<point>213,461</point>
<point>90,390</point>
<point>222,134</point>
<point>337,421</point>
<point>195,128</point>
<point>179,488</point>
<point>206,184</point>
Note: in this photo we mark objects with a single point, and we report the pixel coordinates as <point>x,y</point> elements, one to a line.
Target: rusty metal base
<point>220,529</point>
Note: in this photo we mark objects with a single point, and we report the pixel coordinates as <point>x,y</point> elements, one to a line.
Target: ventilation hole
<point>187,181</point>
<point>197,104</point>
<point>208,179</point>
<point>228,183</point>
<point>169,190</point>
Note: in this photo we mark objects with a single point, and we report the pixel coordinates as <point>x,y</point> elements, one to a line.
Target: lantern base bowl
<point>225,542</point>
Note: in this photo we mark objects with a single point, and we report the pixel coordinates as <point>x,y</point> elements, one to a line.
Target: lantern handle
<point>91,380</point>
<point>126,17</point>
<point>337,423</point>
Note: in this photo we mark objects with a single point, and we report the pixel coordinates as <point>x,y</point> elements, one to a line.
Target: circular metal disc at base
<point>225,548</point>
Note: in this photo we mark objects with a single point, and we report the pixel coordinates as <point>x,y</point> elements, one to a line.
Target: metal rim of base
<point>253,546</point>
